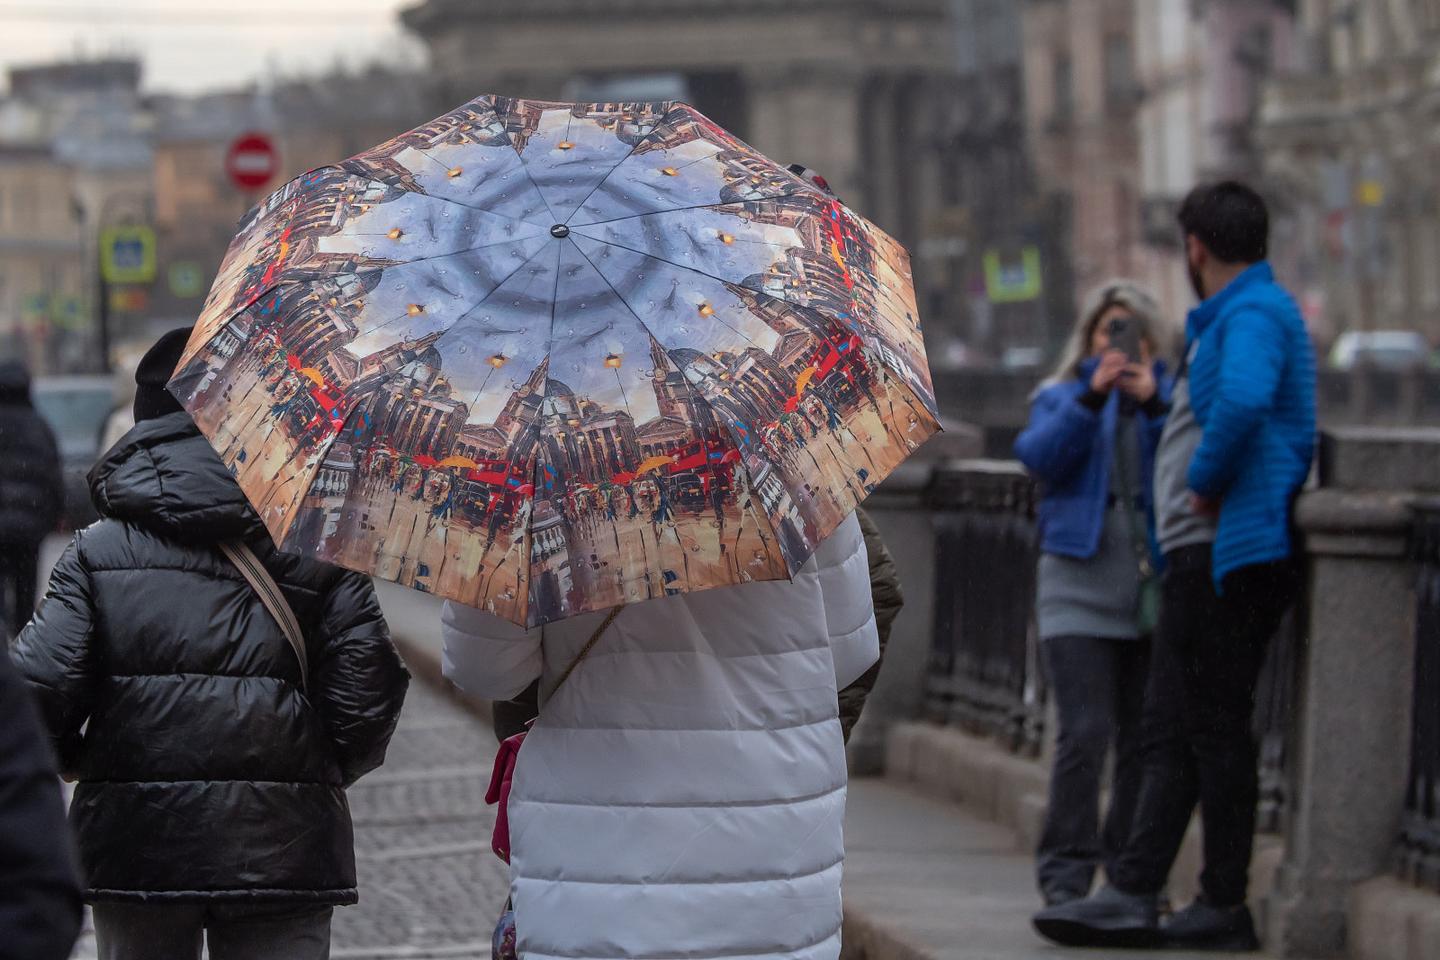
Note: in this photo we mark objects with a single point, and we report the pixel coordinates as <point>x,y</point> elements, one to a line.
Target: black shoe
<point>1203,926</point>
<point>1057,896</point>
<point>1109,918</point>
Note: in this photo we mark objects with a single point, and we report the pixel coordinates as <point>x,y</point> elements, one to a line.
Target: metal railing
<point>984,659</point>
<point>1419,859</point>
<point>985,671</point>
<point>1275,703</point>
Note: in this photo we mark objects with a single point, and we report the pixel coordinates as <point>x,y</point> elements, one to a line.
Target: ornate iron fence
<point>984,659</point>
<point>1274,710</point>
<point>1419,859</point>
<point>985,670</point>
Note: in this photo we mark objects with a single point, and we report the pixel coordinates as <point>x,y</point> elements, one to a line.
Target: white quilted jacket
<point>683,793</point>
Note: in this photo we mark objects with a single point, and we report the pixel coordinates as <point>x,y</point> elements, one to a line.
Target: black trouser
<point>1099,688</point>
<point>1198,738</point>
<point>18,572</point>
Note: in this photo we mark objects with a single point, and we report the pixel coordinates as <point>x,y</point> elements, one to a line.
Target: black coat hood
<point>14,383</point>
<point>164,476</point>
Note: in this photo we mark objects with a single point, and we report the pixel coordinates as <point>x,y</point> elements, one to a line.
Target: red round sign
<point>251,161</point>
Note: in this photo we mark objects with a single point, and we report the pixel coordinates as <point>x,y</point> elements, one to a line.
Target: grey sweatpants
<point>143,931</point>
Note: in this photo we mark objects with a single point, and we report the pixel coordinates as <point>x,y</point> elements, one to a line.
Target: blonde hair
<point>1116,293</point>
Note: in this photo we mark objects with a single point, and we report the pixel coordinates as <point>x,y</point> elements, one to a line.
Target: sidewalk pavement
<point>924,880</point>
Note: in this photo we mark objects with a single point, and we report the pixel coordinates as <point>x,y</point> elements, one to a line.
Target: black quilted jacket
<point>31,488</point>
<point>205,772</point>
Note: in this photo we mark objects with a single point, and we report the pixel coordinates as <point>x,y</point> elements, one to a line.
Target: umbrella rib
<point>611,172</point>
<point>533,184</point>
<point>689,388</point>
<point>680,266</point>
<point>481,302</point>
<point>801,189</point>
<point>375,265</point>
<point>526,167</point>
<point>451,201</point>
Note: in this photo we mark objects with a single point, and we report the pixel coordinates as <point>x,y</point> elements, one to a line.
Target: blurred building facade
<point>82,149</point>
<point>74,159</point>
<point>994,241</point>
<point>856,89</point>
<point>1201,69</point>
<point>1347,139</point>
<point>1083,97</point>
<point>311,123</point>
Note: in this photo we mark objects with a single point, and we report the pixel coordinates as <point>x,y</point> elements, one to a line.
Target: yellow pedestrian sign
<point>127,254</point>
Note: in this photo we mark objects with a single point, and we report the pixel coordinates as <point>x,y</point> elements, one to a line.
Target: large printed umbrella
<point>546,358</point>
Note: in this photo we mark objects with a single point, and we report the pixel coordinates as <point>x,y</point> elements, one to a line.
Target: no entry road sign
<point>251,161</point>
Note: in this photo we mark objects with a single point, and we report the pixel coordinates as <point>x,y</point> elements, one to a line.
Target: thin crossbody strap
<point>1139,541</point>
<point>268,590</point>
<point>585,650</point>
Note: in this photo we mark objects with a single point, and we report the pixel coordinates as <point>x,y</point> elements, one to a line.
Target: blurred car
<point>956,355</point>
<point>1394,350</point>
<point>76,408</point>
<point>1022,359</point>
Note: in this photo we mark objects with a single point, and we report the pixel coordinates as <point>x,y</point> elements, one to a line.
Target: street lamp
<point>613,361</point>
<point>139,211</point>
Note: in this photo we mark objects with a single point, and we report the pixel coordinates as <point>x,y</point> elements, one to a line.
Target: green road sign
<point>1013,282</point>
<point>187,280</point>
<point>127,254</point>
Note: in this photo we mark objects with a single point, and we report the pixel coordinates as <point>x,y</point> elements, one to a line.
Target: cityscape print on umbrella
<point>547,358</point>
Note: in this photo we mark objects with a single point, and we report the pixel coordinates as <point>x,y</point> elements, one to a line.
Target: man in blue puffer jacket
<point>1236,451</point>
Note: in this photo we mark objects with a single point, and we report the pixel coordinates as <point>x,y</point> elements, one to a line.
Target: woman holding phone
<point>1094,427</point>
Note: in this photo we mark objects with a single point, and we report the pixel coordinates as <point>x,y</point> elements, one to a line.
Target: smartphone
<point>1124,333</point>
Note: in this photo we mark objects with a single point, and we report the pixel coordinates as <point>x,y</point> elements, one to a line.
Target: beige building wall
<point>851,88</point>
<point>1348,139</point>
<point>41,254</point>
<point>1082,96</point>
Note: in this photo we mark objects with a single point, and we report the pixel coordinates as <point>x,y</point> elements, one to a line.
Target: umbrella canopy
<point>546,358</point>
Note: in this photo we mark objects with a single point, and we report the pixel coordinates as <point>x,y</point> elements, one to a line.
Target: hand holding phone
<point>1124,335</point>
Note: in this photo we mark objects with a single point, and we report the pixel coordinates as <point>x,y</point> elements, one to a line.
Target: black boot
<point>1203,926</point>
<point>1109,918</point>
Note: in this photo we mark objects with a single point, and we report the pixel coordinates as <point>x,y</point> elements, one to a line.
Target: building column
<point>808,114</point>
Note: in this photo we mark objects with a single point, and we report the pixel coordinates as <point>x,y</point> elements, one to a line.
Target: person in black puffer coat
<point>211,789</point>
<point>31,494</point>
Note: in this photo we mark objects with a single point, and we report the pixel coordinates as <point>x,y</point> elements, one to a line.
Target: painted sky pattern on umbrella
<point>547,358</point>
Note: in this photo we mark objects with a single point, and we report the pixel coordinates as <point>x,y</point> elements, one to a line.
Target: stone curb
<point>862,938</point>
<point>1391,920</point>
<point>1012,791</point>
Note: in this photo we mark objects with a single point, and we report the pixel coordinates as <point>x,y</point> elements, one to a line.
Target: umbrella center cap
<point>559,231</point>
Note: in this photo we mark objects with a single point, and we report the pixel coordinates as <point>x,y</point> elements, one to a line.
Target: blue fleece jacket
<point>1252,385</point>
<point>1068,448</point>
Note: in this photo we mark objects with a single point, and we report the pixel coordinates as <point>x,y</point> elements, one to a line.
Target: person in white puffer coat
<point>683,794</point>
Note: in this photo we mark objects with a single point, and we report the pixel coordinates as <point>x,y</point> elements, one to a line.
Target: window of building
<point>1063,78</point>
<point>1120,85</point>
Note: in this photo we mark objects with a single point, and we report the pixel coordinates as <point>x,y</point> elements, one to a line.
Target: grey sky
<point>190,45</point>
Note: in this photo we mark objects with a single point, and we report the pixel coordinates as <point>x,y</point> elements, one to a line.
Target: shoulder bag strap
<point>1139,539</point>
<point>268,590</point>
<point>585,650</point>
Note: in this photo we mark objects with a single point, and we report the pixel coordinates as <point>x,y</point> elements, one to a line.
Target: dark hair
<point>1230,219</point>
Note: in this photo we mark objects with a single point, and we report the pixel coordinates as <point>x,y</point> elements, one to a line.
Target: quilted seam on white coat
<point>683,795</point>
